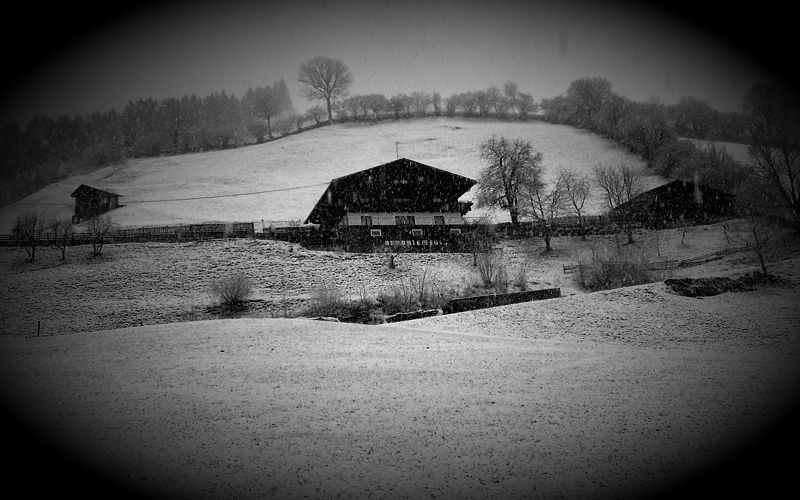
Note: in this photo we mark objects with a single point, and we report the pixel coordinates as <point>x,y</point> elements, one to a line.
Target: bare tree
<point>620,184</point>
<point>299,120</point>
<point>376,103</point>
<point>645,130</point>
<point>420,101</point>
<point>326,79</point>
<point>479,238</point>
<point>576,189</point>
<point>512,166</point>
<point>315,113</point>
<point>59,233</point>
<point>99,229</point>
<point>759,234</point>
<point>397,103</point>
<point>352,105</point>
<point>511,95</point>
<point>469,102</point>
<point>483,101</point>
<point>28,232</point>
<point>391,251</point>
<point>265,103</point>
<point>543,206</point>
<point>452,104</point>
<point>436,100</point>
<point>585,97</point>
<point>762,214</point>
<point>496,100</point>
<point>693,118</point>
<point>773,125</point>
<point>525,105</point>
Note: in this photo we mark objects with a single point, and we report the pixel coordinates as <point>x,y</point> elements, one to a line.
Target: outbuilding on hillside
<point>91,202</point>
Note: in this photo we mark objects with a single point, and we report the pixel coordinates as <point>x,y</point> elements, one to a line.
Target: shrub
<point>231,293</point>
<point>521,278</point>
<point>492,269</point>
<point>326,301</point>
<point>98,228</point>
<point>614,270</point>
<point>414,293</point>
<point>29,230</point>
<point>411,294</point>
<point>330,302</point>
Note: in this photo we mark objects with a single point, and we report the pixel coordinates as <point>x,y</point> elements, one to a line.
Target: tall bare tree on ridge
<point>326,79</point>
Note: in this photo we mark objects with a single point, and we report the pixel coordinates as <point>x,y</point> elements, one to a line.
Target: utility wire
<point>39,204</point>
<point>128,202</point>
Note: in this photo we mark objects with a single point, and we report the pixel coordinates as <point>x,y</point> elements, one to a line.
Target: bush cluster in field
<point>609,269</point>
<point>231,294</point>
<point>417,292</point>
<point>413,293</point>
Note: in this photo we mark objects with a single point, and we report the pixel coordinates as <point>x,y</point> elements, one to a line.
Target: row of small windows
<point>414,232</point>
<point>366,199</point>
<point>404,220</point>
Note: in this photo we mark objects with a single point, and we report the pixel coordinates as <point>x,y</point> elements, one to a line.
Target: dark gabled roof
<point>458,182</point>
<point>405,162</point>
<point>85,186</point>
<point>679,186</point>
<point>677,196</point>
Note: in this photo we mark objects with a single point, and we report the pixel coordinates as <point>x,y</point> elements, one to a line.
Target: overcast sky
<point>447,46</point>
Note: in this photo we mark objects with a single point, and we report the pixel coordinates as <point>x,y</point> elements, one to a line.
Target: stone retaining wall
<point>483,301</point>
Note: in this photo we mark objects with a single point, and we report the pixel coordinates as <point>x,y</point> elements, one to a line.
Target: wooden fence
<point>175,233</point>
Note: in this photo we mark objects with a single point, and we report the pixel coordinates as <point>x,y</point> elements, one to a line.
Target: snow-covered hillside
<point>311,159</point>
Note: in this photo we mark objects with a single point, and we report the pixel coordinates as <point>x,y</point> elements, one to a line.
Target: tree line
<point>47,149</point>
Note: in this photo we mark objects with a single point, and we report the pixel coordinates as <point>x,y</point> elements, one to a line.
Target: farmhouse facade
<point>91,202</point>
<point>676,202</point>
<point>403,199</point>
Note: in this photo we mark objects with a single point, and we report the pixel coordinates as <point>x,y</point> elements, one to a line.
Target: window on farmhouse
<point>416,232</point>
<point>375,232</point>
<point>404,220</point>
<point>438,220</point>
<point>366,220</point>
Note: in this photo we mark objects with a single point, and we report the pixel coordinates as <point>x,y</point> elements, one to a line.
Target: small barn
<point>91,202</point>
<point>676,202</point>
<point>403,200</point>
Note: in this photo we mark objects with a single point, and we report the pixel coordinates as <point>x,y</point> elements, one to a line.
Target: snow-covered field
<point>149,283</point>
<point>608,394</point>
<point>311,158</point>
<point>618,394</point>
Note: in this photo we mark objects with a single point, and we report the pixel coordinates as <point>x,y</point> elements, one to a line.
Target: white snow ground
<point>613,394</point>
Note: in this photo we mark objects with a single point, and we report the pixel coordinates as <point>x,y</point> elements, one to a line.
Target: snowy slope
<point>311,158</point>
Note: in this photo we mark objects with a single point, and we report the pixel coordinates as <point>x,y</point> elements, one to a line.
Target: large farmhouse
<point>401,200</point>
<point>91,202</point>
<point>677,202</point>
